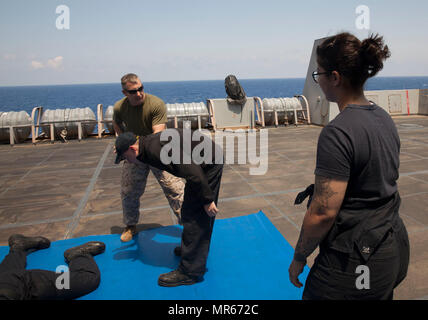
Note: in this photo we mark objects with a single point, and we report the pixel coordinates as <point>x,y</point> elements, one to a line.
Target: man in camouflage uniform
<point>142,114</point>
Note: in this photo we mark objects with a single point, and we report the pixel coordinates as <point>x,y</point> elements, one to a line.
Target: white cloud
<point>36,65</point>
<point>55,63</point>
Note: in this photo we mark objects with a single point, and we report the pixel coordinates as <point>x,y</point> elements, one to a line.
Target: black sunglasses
<point>140,89</point>
<point>316,74</point>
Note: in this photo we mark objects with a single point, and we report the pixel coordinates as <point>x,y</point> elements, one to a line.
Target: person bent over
<point>201,192</point>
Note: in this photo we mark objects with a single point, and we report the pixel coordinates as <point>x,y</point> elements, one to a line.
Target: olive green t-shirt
<point>140,119</point>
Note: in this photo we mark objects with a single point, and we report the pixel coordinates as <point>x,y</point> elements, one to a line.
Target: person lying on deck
<point>17,283</point>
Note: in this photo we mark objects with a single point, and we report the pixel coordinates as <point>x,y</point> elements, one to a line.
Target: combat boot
<point>92,248</point>
<point>128,233</point>
<point>176,278</point>
<point>18,242</point>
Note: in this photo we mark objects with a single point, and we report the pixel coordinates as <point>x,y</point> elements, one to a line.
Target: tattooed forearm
<point>322,194</point>
<point>318,219</point>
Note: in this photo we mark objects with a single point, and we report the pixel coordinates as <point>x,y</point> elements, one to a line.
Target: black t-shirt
<point>361,145</point>
<point>200,178</point>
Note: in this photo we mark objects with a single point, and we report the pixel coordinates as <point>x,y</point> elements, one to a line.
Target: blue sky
<point>194,40</point>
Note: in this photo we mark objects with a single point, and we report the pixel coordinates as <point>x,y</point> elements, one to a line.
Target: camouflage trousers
<point>133,184</point>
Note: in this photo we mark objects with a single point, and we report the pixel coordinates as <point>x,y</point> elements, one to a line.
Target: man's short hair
<point>130,77</point>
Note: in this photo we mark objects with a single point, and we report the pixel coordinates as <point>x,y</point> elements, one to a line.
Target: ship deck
<point>70,190</point>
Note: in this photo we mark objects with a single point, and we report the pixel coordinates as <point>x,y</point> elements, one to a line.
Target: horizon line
<point>165,81</point>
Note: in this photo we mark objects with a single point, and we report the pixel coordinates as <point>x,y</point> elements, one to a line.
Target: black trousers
<point>334,274</point>
<point>17,283</point>
<point>197,227</point>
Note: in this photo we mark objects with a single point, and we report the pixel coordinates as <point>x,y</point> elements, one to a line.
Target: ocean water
<point>89,95</point>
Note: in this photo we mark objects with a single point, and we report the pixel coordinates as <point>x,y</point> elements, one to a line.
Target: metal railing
<point>36,116</point>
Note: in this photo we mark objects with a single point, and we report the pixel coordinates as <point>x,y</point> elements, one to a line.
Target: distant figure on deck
<point>17,283</point>
<point>200,194</point>
<point>354,213</point>
<point>142,114</point>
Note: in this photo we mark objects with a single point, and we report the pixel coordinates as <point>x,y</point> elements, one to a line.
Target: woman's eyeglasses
<point>316,75</point>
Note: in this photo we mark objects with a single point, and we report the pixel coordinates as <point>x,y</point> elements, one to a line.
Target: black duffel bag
<point>234,90</point>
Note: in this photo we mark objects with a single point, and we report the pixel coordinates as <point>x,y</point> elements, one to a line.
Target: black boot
<point>18,242</point>
<point>176,278</point>
<point>92,248</point>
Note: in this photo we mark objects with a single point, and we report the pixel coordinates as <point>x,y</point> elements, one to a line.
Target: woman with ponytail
<point>354,213</point>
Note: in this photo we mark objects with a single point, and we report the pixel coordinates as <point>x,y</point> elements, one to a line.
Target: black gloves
<point>309,191</point>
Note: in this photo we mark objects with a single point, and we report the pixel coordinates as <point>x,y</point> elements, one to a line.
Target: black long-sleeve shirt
<point>196,175</point>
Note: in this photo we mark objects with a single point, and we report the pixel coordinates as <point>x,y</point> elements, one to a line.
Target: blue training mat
<point>248,260</point>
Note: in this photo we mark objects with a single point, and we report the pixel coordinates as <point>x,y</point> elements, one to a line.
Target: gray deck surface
<point>69,190</point>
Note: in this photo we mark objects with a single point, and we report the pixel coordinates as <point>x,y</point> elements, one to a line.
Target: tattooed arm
<point>326,202</point>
